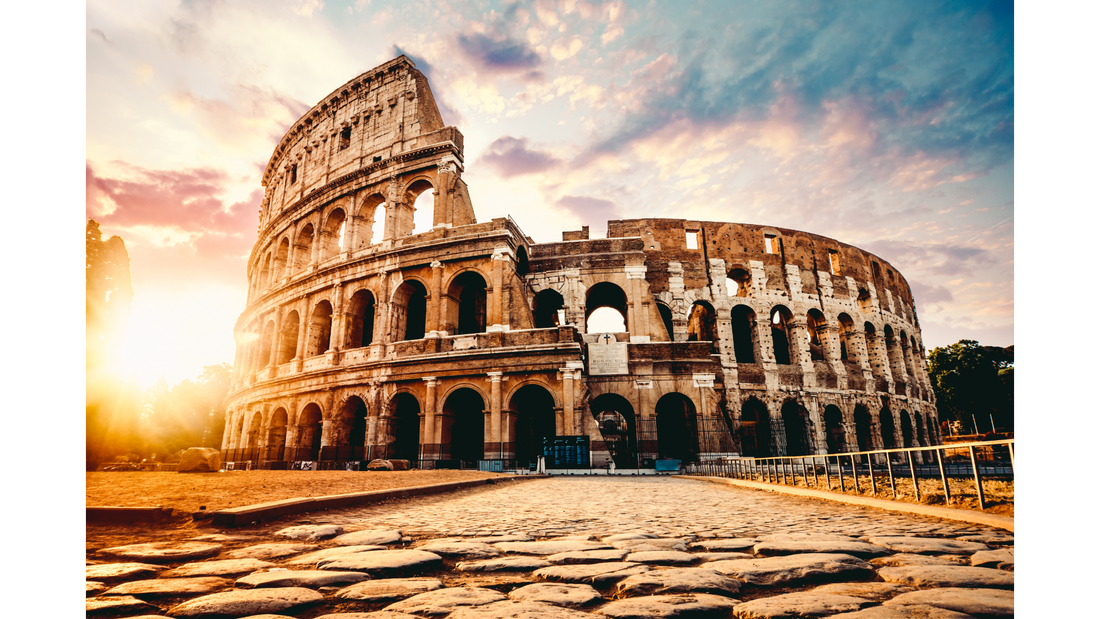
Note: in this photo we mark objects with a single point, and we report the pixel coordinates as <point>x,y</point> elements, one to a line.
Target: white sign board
<point>607,359</point>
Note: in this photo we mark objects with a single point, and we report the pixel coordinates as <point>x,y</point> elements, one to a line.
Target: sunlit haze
<point>889,126</point>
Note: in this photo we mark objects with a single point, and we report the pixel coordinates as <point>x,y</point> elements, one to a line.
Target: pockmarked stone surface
<point>165,587</point>
<point>610,539</point>
<point>466,550</point>
<point>916,611</point>
<point>598,574</point>
<point>559,594</point>
<point>518,609</point>
<point>388,589</point>
<point>722,556</point>
<point>996,538</point>
<point>199,460</point>
<point>587,556</point>
<point>928,545</point>
<point>311,532</point>
<point>661,557</point>
<point>991,602</point>
<point>906,558</point>
<point>370,537</point>
<point>676,605</point>
<point>504,564</point>
<point>718,545</point>
<point>678,580</point>
<point>492,539</point>
<point>271,551</point>
<point>312,558</point>
<point>1002,559</point>
<point>223,567</point>
<point>383,562</point>
<point>874,591</point>
<point>239,603</point>
<point>806,536</point>
<point>549,547</point>
<point>163,552</point>
<point>644,545</point>
<point>444,601</point>
<point>948,576</point>
<point>300,578</point>
<point>790,547</point>
<point>378,614</point>
<point>788,569</point>
<point>114,604</point>
<point>94,588</point>
<point>802,604</point>
<point>120,571</point>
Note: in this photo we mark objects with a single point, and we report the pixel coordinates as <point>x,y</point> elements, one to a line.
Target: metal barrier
<point>997,461</point>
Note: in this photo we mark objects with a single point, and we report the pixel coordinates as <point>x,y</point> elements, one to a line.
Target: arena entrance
<point>677,434</point>
<point>533,407</point>
<point>463,430</point>
<point>400,430</point>
<point>615,419</point>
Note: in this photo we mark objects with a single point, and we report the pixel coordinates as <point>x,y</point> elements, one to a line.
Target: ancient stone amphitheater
<point>468,343</point>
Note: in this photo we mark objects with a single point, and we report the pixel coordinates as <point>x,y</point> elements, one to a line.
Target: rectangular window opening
<point>692,239</point>
<point>345,138</point>
<point>771,244</point>
<point>293,174</point>
<point>834,262</point>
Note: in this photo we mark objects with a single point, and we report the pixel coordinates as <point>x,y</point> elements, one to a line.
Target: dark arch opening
<point>615,419</point>
<point>817,334</point>
<point>666,319</point>
<point>332,235</point>
<point>547,304</point>
<point>281,256</point>
<point>303,247</point>
<point>847,330</point>
<point>254,431</point>
<point>863,428</point>
<point>677,434</point>
<point>886,427</point>
<point>320,329</point>
<point>534,420</point>
<point>906,430</point>
<point>411,305</point>
<point>605,294</point>
<point>796,426</point>
<point>521,261</point>
<point>276,435</point>
<point>469,290</point>
<point>743,324</point>
<point>739,283</point>
<point>309,433</point>
<point>361,319</point>
<point>755,429</point>
<point>701,323</point>
<point>463,425</point>
<point>288,339</point>
<point>834,429</point>
<point>781,341</point>
<point>401,430</point>
<point>355,422</point>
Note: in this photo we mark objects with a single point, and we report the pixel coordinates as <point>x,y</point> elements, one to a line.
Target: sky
<point>888,126</point>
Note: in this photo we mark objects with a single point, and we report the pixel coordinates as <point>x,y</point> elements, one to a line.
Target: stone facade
<point>470,342</point>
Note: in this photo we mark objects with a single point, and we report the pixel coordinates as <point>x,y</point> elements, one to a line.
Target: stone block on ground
<point>311,532</point>
<point>300,578</point>
<point>676,605</point>
<point>116,604</point>
<point>107,572</point>
<point>644,545</point>
<point>772,571</point>
<point>271,551</point>
<point>380,465</point>
<point>558,594</point>
<point>852,547</point>
<point>200,460</point>
<point>224,567</point>
<point>383,562</point>
<point>445,601</point>
<point>661,557</point>
<point>371,537</point>
<point>801,604</point>
<point>94,588</point>
<point>504,564</point>
<point>726,544</point>
<point>549,547</point>
<point>170,587</point>
<point>678,580</point>
<point>948,576</point>
<point>905,558</point>
<point>928,545</point>
<point>518,609</point>
<point>245,602</point>
<point>988,602</point>
<point>163,552</point>
<point>465,550</point>
<point>918,611</point>
<point>579,557</point>
<point>388,589</point>
<point>312,558</point>
<point>596,574</point>
<point>874,591</point>
<point>1002,559</point>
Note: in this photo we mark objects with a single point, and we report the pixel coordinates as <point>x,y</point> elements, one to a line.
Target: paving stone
<point>311,532</point>
<point>678,580</point>
<point>719,545</point>
<point>223,537</point>
<point>444,601</point>
<point>378,614</point>
<point>94,588</point>
<point>1003,559</point>
<point>312,558</point>
<point>263,616</point>
<point>164,587</point>
<point>115,604</point>
<point>928,545</point>
<point>519,609</point>
<point>596,574</point>
<point>610,539</point>
<point>910,559</point>
<point>223,567</point>
<point>492,539</point>
<point>874,591</point>
<point>388,589</point>
<point>675,605</point>
<point>990,602</point>
<point>578,557</point>
<point>243,602</point>
<point>806,537</point>
<point>108,572</point>
<point>558,594</point>
<point>772,571</point>
<point>383,562</point>
<point>466,550</point>
<point>662,557</point>
<point>271,551</point>
<point>801,604</point>
<point>371,537</point>
<point>996,539</point>
<point>642,545</point>
<point>790,547</point>
<point>722,556</point>
<point>163,552</point>
<point>919,611</point>
<point>504,564</point>
<point>300,578</point>
<point>948,576</point>
<point>549,547</point>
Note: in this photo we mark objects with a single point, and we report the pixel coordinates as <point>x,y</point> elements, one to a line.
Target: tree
<point>973,384</point>
<point>189,414</point>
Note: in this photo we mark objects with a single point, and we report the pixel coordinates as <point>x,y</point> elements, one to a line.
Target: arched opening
<point>276,435</point>
<point>400,431</point>
<point>288,339</point>
<point>677,434</point>
<point>241,438</point>
<point>320,329</point>
<point>609,297</point>
<point>350,435</point>
<point>547,304</point>
<point>410,309</point>
<point>463,425</point>
<point>834,429</point>
<point>756,436</point>
<point>265,273</point>
<point>781,340</point>
<point>886,427</point>
<point>796,427</point>
<point>739,283</point>
<point>466,303</point>
<point>372,221</point>
<point>743,324</point>
<point>265,345</point>
<point>521,266</point>
<point>303,246</point>
<point>863,298</point>
<point>847,335</point>
<point>615,419</point>
<point>533,407</point>
<point>922,439</point>
<point>281,255</point>
<point>254,430</point>
<point>701,323</point>
<point>309,433</point>
<point>816,334</point>
<point>906,430</point>
<point>332,234</point>
<point>892,359</point>
<point>421,196</point>
<point>666,319</point>
<point>863,428</point>
<point>360,319</point>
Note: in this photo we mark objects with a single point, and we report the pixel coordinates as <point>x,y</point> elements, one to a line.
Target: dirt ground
<point>999,495</point>
<point>188,492</point>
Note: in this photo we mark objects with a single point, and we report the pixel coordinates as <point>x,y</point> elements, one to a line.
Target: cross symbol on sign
<point>607,337</point>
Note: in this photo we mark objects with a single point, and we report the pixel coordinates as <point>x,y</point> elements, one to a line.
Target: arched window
<point>399,432</point>
<point>521,266</point>
<point>533,407</point>
<point>421,197</point>
<point>906,430</point>
<point>739,283</point>
<point>332,235</point>
<point>816,334</point>
<point>265,274</point>
<point>410,309</point>
<point>276,435</point>
<point>463,429</point>
<point>886,428</point>
<point>281,255</point>
<point>863,428</point>
<point>755,429</point>
<point>303,246</point>
<point>309,433</point>
<point>666,319</point>
<point>265,345</point>
<point>796,425</point>
<point>466,301</point>
<point>847,338</point>
<point>320,329</point>
<point>600,296</point>
<point>677,436</point>
<point>743,324</point>
<point>781,335</point>
<point>834,429</point>
<point>372,221</point>
<point>288,339</point>
<point>701,322</point>
<point>547,304</point>
<point>615,420</point>
<point>360,319</point>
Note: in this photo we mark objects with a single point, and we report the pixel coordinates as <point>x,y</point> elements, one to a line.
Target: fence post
<point>871,472</point>
<point>813,463</point>
<point>855,473</point>
<point>1012,457</point>
<point>943,478</point>
<point>890,472</point>
<point>977,479</point>
<point>828,482</point>
<point>840,473</point>
<point>913,474</point>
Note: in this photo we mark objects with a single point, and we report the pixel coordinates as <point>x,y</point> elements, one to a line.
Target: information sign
<point>607,359</point>
<point>566,452</point>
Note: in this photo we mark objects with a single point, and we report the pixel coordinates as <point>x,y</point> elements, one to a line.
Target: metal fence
<point>977,461</point>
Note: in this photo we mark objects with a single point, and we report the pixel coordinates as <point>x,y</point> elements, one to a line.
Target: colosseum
<point>470,345</point>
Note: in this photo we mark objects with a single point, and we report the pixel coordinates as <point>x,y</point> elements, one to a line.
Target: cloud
<point>251,119</point>
<point>305,8</point>
<point>510,156</point>
<point>592,212</point>
<point>496,52</point>
<point>924,294</point>
<point>937,258</point>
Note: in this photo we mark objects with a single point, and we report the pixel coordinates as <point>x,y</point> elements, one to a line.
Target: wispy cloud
<point>510,156</point>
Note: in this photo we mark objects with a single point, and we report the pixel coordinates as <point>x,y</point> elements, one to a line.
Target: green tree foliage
<point>973,382</point>
<point>190,414</point>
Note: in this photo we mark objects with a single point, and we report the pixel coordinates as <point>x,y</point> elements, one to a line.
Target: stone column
<point>303,333</point>
<point>435,308</point>
<point>495,406</point>
<point>495,310</point>
<point>273,359</point>
<point>336,334</point>
<point>565,425</point>
<point>429,435</point>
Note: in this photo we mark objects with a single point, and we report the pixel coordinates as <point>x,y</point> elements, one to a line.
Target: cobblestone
<point>533,521</point>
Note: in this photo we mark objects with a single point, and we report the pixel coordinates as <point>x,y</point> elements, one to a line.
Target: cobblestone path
<point>566,547</point>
